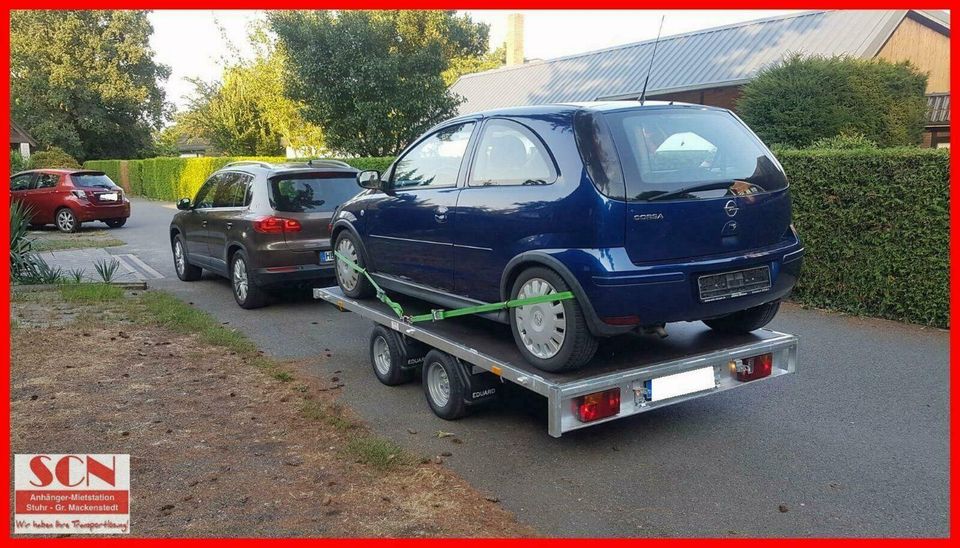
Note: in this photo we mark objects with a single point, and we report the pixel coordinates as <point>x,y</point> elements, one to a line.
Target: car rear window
<point>668,150</point>
<point>312,192</point>
<point>92,180</point>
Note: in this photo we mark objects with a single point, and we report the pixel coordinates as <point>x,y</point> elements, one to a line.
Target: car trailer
<point>464,362</point>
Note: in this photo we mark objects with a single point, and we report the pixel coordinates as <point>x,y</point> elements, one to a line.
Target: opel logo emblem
<point>731,208</point>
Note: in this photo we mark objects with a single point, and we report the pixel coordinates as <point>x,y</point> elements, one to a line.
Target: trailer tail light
<point>598,405</point>
<point>754,368</point>
<point>276,225</point>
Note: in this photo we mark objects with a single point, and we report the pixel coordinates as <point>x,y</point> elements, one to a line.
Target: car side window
<point>22,182</point>
<point>435,161</point>
<point>204,198</point>
<point>511,154</point>
<point>47,180</point>
<point>225,193</point>
<point>243,191</point>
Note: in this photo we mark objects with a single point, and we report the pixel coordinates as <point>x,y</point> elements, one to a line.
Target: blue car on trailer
<point>649,213</point>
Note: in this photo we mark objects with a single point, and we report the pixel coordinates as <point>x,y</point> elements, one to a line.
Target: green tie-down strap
<point>439,314</point>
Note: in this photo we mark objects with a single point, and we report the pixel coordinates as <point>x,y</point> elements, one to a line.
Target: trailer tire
<point>388,356</point>
<point>443,386</point>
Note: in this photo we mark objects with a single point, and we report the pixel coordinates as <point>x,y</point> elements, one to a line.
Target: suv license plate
<point>326,257</point>
<point>725,285</point>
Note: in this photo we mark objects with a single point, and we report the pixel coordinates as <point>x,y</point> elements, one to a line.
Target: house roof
<point>938,109</point>
<point>18,135</point>
<point>721,56</point>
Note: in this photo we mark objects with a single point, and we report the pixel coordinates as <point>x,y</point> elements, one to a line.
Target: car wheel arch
<point>534,259</point>
<point>338,228</point>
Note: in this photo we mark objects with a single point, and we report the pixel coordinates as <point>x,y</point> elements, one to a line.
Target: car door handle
<point>203,223</point>
<point>441,214</point>
<point>229,225</point>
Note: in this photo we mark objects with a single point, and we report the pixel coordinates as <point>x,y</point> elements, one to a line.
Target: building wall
<point>925,48</point>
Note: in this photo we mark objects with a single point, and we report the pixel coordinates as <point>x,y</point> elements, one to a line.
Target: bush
<point>53,157</point>
<point>174,178</point>
<point>17,163</point>
<point>875,224</point>
<point>844,141</point>
<point>808,98</point>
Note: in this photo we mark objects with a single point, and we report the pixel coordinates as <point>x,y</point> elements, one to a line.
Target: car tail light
<point>276,225</point>
<point>757,367</point>
<point>598,405</point>
<point>79,194</point>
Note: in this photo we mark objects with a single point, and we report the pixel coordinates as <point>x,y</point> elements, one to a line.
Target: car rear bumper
<point>623,295</point>
<point>91,211</point>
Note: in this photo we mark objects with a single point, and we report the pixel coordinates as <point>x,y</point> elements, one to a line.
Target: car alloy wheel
<point>179,260</point>
<point>240,284</point>
<point>348,276</point>
<point>542,326</point>
<point>438,383</point>
<point>65,220</point>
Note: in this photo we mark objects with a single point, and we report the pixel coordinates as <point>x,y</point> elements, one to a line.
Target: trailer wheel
<point>389,357</point>
<point>443,386</point>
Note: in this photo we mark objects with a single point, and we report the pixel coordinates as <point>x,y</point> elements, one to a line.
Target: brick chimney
<point>515,39</point>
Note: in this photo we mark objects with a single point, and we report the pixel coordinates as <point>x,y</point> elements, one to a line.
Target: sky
<point>190,42</point>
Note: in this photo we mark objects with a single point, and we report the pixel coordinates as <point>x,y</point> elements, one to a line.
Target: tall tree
<point>804,99</point>
<point>373,79</point>
<point>86,81</point>
<point>248,112</point>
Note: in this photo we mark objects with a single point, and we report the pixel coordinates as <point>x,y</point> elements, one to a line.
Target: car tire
<point>535,327</point>
<point>442,386</point>
<point>66,220</point>
<point>353,284</point>
<point>181,264</point>
<point>248,294</point>
<point>388,357</point>
<point>116,223</point>
<point>745,321</point>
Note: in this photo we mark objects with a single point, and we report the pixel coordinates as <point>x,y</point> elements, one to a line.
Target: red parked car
<point>69,197</point>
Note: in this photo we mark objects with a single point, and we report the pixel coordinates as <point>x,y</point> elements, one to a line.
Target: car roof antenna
<point>643,94</point>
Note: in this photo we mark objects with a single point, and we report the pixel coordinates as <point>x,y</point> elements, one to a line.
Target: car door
<point>194,224</point>
<point>45,197</point>
<point>410,231</point>
<point>505,205</point>
<point>223,217</point>
<point>20,186</point>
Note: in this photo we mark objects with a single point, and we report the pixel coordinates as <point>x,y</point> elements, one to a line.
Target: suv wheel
<point>185,271</point>
<point>551,336</point>
<point>66,220</point>
<point>354,284</point>
<point>745,321</point>
<point>247,294</point>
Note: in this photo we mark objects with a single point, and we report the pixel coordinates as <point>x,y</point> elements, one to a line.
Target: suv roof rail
<point>249,162</point>
<point>328,163</point>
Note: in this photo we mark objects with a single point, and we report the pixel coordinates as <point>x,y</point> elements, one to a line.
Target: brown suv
<point>261,224</point>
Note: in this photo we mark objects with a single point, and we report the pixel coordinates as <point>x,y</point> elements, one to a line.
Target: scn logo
<point>73,471</point>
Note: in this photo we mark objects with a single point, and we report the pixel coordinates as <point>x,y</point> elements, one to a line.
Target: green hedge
<point>876,227</point>
<point>174,178</point>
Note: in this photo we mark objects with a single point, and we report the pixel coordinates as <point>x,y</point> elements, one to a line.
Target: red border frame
<point>461,4</point>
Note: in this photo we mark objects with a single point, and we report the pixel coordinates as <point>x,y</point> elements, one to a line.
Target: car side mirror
<point>183,204</point>
<point>369,178</point>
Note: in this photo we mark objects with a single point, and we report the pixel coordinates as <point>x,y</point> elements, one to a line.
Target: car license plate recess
<point>679,384</point>
<point>725,285</point>
<point>108,197</point>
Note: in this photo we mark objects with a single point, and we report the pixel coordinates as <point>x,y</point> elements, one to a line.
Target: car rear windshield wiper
<point>692,188</point>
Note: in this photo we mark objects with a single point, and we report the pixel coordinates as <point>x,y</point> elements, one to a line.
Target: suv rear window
<point>92,180</point>
<point>690,153</point>
<point>310,192</point>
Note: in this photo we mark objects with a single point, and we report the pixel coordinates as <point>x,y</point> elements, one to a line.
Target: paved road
<point>855,444</point>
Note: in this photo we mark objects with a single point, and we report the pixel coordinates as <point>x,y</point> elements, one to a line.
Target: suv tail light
<point>754,368</point>
<point>276,225</point>
<point>598,405</point>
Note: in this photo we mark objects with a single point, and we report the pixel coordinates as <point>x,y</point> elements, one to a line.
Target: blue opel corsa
<point>648,213</point>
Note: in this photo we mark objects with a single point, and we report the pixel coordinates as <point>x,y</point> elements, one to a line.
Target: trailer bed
<point>626,361</point>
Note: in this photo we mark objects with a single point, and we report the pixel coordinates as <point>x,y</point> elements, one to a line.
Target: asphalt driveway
<point>855,444</point>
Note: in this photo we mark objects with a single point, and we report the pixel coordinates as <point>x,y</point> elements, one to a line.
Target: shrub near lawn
<point>875,225</point>
<point>174,178</point>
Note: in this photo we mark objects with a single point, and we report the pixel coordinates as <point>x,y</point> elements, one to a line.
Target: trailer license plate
<point>725,285</point>
<point>679,384</point>
<point>326,257</point>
